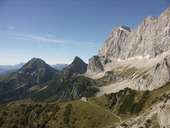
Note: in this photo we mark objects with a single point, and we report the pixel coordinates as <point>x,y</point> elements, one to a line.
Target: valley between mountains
<point>126,85</point>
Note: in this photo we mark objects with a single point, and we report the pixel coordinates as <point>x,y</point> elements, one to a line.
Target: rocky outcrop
<point>95,65</point>
<point>145,49</point>
<point>116,44</point>
<point>155,77</point>
<point>151,37</point>
<point>164,116</point>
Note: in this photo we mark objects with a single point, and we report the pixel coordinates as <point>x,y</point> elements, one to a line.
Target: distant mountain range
<point>9,68</point>
<point>6,69</point>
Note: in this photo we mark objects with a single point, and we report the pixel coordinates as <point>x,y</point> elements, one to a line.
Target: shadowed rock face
<point>67,87</point>
<point>78,66</point>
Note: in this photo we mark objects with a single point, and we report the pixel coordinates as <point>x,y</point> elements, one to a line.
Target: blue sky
<point>59,30</point>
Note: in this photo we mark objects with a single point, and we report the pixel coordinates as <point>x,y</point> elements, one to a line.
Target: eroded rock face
<point>151,37</point>
<point>155,77</point>
<point>126,47</point>
<point>164,116</point>
<point>95,65</point>
<point>116,43</point>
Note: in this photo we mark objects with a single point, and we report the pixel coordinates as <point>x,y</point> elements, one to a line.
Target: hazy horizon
<point>58,30</point>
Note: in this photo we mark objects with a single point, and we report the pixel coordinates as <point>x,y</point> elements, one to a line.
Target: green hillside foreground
<point>95,112</point>
<point>74,114</point>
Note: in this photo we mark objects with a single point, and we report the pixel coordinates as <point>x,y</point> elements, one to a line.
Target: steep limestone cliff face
<point>116,44</point>
<point>157,76</point>
<point>145,49</point>
<point>151,37</point>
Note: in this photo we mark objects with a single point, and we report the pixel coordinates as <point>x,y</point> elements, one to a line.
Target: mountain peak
<point>34,64</point>
<point>35,71</point>
<point>77,60</point>
<point>78,66</point>
<point>36,60</point>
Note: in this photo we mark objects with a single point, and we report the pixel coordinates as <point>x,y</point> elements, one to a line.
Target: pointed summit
<point>78,60</point>
<point>36,71</point>
<point>34,62</point>
<point>78,66</point>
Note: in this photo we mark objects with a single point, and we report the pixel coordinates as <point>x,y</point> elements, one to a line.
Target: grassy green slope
<point>75,114</point>
<point>96,112</point>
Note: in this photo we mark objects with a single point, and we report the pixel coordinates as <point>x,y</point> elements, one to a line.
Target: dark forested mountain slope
<point>38,81</point>
<point>17,84</point>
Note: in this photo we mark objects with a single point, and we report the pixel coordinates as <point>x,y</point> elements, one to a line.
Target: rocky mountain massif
<point>140,57</point>
<point>150,38</point>
<point>127,85</point>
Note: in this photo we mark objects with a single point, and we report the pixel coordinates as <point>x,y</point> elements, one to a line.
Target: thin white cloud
<point>50,39</point>
<point>40,39</point>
